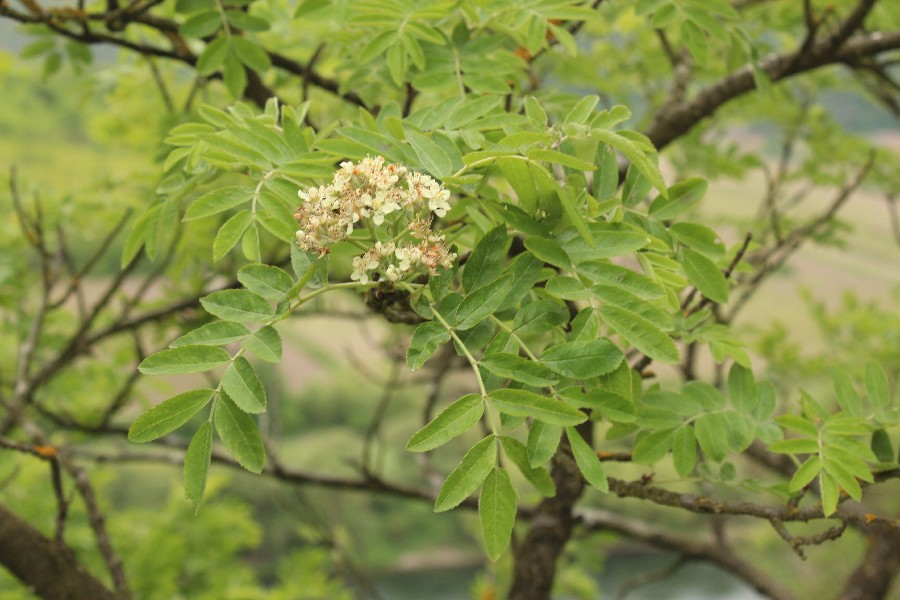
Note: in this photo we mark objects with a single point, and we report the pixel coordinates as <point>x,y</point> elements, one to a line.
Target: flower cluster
<point>365,194</point>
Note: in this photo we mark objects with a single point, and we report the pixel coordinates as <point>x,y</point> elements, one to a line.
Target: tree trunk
<point>872,578</point>
<point>50,570</point>
<point>550,529</point>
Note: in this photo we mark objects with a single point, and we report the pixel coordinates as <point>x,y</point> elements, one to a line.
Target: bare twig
<point>774,257</point>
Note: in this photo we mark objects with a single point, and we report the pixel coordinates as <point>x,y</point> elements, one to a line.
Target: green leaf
<point>615,296</point>
<point>136,237</point>
<point>560,158</point>
<point>230,233</point>
<point>574,209</point>
<point>522,403</point>
<point>168,416</point>
<point>620,277</point>
<point>480,304</point>
<point>525,271</point>
<point>877,386</point>
<point>242,20</point>
<point>845,392</point>
<point>300,261</point>
<point>582,110</point>
<point>642,334</point>
<point>843,477</point>
<point>465,479</point>
<point>711,431</point>
<point>765,401</point>
<point>250,243</point>
<point>611,405</point>
<point>234,76</point>
<point>240,435</point>
<point>808,471</point>
<point>453,420</point>
<point>240,306</point>
<point>250,54</point>
<point>201,24</point>
<point>611,239</point>
<point>535,112</point>
<point>243,386</point>
<point>795,446</point>
<point>684,450</point>
<point>537,476</point>
<point>540,316</point>
<point>185,359</point>
<point>606,179</point>
<point>486,261</point>
<point>196,464</point>
<point>798,424</point>
<point>425,340</point>
<point>682,196</point>
<point>548,251</point>
<point>567,288</point>
<point>644,162</point>
<point>520,178</point>
<point>583,359</point>
<point>543,440</point>
<point>518,368</point>
<point>430,154</point>
<point>586,459</point>
<point>705,276</point>
<point>699,237</point>
<point>217,333</point>
<point>881,446</point>
<point>742,388</point>
<point>212,56</point>
<point>269,282</point>
<point>497,512</point>
<point>650,448</point>
<point>265,344</point>
<point>830,493</point>
<point>218,200</point>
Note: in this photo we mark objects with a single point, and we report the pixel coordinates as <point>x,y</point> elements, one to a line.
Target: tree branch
<point>48,569</point>
<point>673,121</point>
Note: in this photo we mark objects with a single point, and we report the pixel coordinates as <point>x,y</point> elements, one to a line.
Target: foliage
<point>490,187</point>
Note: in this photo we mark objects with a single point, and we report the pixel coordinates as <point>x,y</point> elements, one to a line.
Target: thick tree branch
<point>551,527</point>
<point>48,569</point>
<point>675,120</point>
<point>872,578</point>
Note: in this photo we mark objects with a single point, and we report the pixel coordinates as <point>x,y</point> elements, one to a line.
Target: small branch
<point>773,258</point>
<point>797,542</point>
<point>709,505</point>
<point>77,277</point>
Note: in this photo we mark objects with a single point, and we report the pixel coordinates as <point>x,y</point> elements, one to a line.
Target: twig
<point>797,542</point>
<point>777,255</point>
<point>709,505</point>
<point>78,276</point>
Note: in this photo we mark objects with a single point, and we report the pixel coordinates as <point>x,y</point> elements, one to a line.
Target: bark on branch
<point>50,570</point>
<point>677,119</point>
